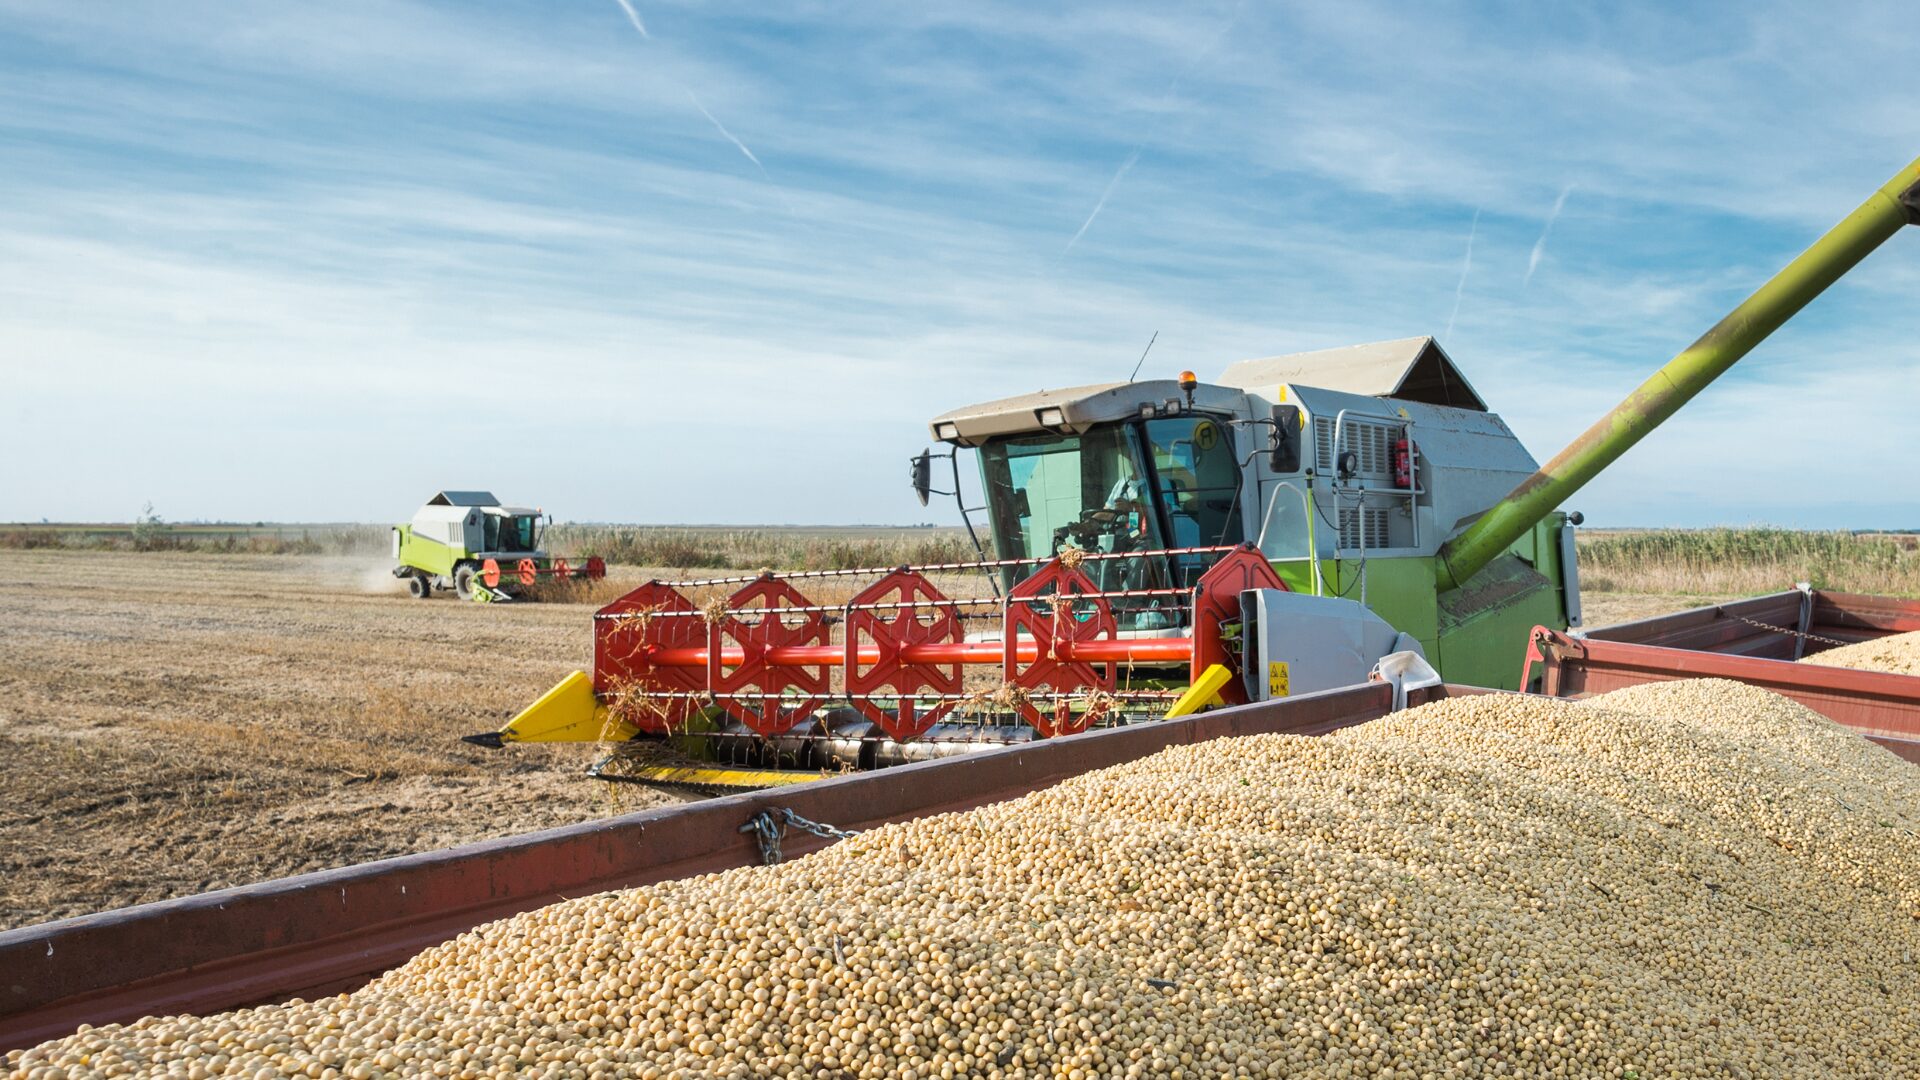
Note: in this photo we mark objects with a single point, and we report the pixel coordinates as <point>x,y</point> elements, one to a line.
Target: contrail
<point>722,129</point>
<point>1540,245</point>
<point>1466,267</point>
<point>634,18</point>
<point>1111,184</point>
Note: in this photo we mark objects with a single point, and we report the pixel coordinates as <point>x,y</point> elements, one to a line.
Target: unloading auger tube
<point>1885,211</point>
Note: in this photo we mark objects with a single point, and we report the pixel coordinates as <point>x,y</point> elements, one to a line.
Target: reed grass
<point>622,545</point>
<point>1717,562</point>
<point>752,549</point>
<point>1680,562</point>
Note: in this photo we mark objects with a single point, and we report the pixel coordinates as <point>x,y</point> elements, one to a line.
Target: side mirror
<point>1284,453</point>
<point>923,475</point>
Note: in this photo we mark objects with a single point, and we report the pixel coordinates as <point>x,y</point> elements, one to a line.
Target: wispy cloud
<point>730,136</point>
<point>1540,245</point>
<point>1104,196</point>
<point>634,18</point>
<point>1466,267</point>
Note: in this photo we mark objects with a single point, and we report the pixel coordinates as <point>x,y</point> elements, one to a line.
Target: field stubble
<point>171,723</point>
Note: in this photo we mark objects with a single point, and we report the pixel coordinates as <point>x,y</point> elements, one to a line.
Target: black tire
<point>463,577</point>
<point>419,586</point>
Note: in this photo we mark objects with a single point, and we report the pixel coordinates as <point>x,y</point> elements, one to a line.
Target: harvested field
<point>175,722</point>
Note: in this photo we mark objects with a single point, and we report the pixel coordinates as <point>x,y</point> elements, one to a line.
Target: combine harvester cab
<point>1162,546</point>
<point>466,541</point>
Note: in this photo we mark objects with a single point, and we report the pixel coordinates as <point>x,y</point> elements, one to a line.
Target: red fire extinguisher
<point>1403,451</point>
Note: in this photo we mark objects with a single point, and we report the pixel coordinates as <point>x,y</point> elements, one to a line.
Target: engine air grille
<point>1371,443</point>
<point>1356,521</point>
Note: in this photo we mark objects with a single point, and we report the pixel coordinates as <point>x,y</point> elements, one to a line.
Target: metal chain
<point>769,826</point>
<point>1784,630</point>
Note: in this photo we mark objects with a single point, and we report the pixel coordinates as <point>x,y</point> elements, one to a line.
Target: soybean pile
<point>1898,653</point>
<point>1684,879</point>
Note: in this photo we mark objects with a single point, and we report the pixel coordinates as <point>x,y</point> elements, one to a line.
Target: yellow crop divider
<point>567,713</point>
<point>1204,693</point>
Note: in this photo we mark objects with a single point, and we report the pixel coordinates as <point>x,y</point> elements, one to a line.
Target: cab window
<point>1199,480</point>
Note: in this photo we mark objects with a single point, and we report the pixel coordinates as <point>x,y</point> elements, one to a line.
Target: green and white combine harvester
<point>1299,523</point>
<point>468,542</point>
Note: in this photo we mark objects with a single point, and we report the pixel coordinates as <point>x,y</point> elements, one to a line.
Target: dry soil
<point>176,723</point>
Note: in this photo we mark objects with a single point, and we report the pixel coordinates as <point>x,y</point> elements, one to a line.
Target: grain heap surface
<point>1688,879</point>
<point>1898,653</point>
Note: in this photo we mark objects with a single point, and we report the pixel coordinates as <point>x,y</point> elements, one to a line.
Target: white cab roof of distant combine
<point>456,505</point>
<point>464,498</point>
<point>1410,369</point>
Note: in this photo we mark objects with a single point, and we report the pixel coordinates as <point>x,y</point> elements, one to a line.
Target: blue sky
<point>315,261</point>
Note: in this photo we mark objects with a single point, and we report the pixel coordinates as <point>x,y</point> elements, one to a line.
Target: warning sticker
<point>1277,679</point>
<point>1205,436</point>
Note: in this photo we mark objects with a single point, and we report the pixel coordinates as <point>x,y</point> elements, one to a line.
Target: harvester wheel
<point>418,586</point>
<point>463,577</point>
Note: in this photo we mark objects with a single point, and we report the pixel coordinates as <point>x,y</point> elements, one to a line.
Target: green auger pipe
<point>1896,204</point>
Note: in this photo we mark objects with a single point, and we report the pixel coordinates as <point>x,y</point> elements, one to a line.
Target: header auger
<point>1162,546</point>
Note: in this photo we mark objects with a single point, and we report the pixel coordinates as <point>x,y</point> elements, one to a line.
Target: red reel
<point>767,622</point>
<point>931,619</point>
<point>1216,600</point>
<point>490,574</point>
<point>626,635</point>
<point>1051,609</point>
<point>527,571</point>
<point>561,570</point>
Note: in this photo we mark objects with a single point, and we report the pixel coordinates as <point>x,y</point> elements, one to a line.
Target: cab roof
<point>1079,408</point>
<point>1409,369</point>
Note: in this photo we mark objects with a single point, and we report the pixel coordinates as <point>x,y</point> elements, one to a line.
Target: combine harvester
<point>1458,583</point>
<point>467,542</point>
<point>1164,546</point>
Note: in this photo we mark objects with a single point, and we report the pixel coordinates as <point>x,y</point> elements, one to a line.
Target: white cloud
<point>1540,246</point>
<point>634,17</point>
<point>1105,194</point>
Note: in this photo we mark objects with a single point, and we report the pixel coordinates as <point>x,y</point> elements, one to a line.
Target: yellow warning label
<point>1277,679</point>
<point>1205,436</point>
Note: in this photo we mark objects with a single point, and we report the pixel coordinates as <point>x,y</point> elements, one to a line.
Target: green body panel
<point>1399,590</point>
<point>431,556</point>
<point>1844,245</point>
<point>1475,635</point>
